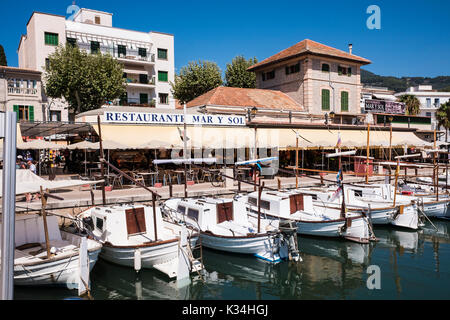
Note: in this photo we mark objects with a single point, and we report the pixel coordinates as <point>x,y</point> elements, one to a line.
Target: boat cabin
<point>282,204</point>
<point>127,224</point>
<point>207,214</point>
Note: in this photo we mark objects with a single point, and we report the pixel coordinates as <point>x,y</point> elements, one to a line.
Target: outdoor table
<point>151,175</point>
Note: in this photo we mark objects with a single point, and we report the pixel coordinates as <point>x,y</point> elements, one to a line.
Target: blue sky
<point>413,39</point>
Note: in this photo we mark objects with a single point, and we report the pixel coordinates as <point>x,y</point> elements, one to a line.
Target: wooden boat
<point>136,236</point>
<point>33,267</point>
<point>359,198</point>
<point>309,218</point>
<point>224,225</point>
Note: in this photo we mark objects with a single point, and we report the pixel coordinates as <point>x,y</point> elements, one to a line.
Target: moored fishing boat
<point>32,264</point>
<point>136,236</point>
<point>309,218</point>
<point>224,225</point>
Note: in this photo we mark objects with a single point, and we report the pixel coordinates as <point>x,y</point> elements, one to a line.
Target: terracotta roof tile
<point>308,46</point>
<point>240,97</point>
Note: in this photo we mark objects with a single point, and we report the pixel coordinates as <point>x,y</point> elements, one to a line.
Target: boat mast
<point>368,152</point>
<point>102,166</point>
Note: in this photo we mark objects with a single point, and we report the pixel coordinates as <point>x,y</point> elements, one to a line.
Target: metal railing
<point>131,54</point>
<point>25,91</point>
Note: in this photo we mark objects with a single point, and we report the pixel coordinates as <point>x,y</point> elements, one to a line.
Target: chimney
<point>350,47</point>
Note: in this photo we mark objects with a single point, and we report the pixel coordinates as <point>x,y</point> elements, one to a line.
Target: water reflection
<point>414,265</point>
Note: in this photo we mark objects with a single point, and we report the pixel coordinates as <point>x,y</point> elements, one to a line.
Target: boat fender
<point>137,260</point>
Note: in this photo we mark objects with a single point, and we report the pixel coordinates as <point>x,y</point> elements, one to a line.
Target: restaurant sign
<point>172,119</point>
<point>385,106</point>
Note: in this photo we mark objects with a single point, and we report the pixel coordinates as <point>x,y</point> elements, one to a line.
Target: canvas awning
<point>170,137</point>
<point>39,145</point>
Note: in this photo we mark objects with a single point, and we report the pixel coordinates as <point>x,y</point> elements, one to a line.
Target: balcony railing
<point>135,103</point>
<point>131,54</point>
<point>151,81</point>
<point>23,91</point>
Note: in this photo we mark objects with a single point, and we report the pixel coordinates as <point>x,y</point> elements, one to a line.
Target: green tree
<point>85,81</point>
<point>443,117</point>
<point>196,79</point>
<point>3,61</point>
<point>237,75</point>
<point>412,104</point>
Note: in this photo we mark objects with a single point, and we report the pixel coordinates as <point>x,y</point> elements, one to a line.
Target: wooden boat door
<point>224,212</point>
<point>135,221</point>
<point>296,202</point>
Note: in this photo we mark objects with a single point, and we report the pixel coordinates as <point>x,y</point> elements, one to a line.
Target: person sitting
<point>31,166</point>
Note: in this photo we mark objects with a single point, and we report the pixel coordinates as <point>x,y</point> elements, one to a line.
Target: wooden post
<point>437,183</point>
<point>296,162</point>
<point>92,196</point>
<point>239,185</point>
<point>390,142</point>
<point>279,184</point>
<point>434,157</point>
<point>170,188</point>
<point>368,152</point>
<point>154,215</point>
<point>397,171</point>
<point>259,205</point>
<point>44,218</point>
<point>102,155</point>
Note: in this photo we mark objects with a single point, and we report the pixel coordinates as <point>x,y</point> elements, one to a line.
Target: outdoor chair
<point>139,178</point>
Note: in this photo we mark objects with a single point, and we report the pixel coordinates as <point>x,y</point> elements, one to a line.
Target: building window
<point>24,113</point>
<point>143,78</point>
<point>325,67</point>
<point>163,76</point>
<point>51,39</point>
<point>325,99</point>
<point>428,102</point>
<point>268,75</point>
<point>342,71</point>
<point>437,103</point>
<point>163,98</point>
<point>344,101</point>
<point>428,114</point>
<point>47,63</point>
<point>293,69</point>
<point>55,116</point>
<point>162,54</point>
<point>143,98</point>
<point>72,42</point>
<point>95,46</point>
<point>123,101</point>
<point>121,50</point>
<point>193,214</point>
<point>97,20</point>
<point>143,52</point>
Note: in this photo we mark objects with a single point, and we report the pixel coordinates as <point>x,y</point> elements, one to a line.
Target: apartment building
<point>147,57</point>
<point>320,78</point>
<point>430,100</point>
<point>21,91</point>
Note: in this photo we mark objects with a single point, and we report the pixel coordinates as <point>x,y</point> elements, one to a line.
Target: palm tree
<point>443,117</point>
<point>412,104</point>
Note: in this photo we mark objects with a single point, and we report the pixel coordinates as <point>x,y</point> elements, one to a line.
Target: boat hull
<point>437,209</point>
<point>261,246</point>
<point>408,219</point>
<point>59,272</point>
<point>151,255</point>
<point>357,231</point>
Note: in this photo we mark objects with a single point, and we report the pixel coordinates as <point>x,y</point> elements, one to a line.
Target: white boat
<point>358,198</point>
<point>425,203</point>
<point>224,225</point>
<point>32,267</point>
<point>309,218</point>
<point>130,238</point>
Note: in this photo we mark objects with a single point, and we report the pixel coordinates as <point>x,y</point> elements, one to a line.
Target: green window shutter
<point>51,38</point>
<point>31,113</point>
<point>344,101</point>
<point>163,76</point>
<point>162,54</point>
<point>325,99</point>
<point>16,110</point>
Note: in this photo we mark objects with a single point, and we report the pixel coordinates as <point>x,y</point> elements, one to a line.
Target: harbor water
<point>412,265</point>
